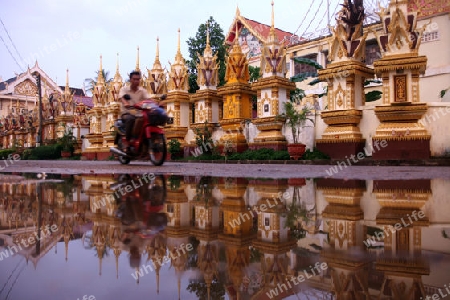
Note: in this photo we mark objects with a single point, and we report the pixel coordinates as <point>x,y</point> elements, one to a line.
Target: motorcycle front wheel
<point>157,148</point>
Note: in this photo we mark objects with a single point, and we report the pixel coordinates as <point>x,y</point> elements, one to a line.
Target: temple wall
<point>435,121</point>
<point>437,76</point>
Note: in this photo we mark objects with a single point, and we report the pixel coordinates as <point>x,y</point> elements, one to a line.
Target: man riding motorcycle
<point>129,96</point>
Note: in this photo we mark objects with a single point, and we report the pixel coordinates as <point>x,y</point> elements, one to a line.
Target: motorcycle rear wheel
<point>157,149</point>
<point>122,159</point>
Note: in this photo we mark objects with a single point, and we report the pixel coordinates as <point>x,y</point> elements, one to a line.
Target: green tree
<point>197,44</point>
<point>254,73</point>
<point>92,82</point>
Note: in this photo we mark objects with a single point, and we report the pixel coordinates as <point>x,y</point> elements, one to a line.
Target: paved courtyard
<point>230,170</point>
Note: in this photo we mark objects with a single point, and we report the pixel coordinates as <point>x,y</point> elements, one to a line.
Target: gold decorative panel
<point>26,88</point>
<point>400,88</point>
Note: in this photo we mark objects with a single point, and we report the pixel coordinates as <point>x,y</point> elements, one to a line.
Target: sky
<point>72,34</point>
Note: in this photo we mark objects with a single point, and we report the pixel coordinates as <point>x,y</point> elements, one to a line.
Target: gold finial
<point>137,59</point>
<point>273,16</point>
<point>100,78</point>
<point>117,63</point>
<point>157,49</point>
<point>238,12</point>
<point>207,33</point>
<point>236,42</point>
<point>178,49</point>
<point>67,77</point>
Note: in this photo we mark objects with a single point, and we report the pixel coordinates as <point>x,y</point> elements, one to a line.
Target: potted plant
<point>67,142</point>
<point>175,149</point>
<point>296,120</point>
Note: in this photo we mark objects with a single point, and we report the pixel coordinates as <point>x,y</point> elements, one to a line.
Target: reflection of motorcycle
<point>151,141</point>
<point>142,208</point>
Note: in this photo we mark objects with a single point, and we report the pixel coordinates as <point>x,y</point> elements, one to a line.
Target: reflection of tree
<point>105,252</point>
<point>192,256</point>
<point>296,214</point>
<point>255,255</point>
<point>201,291</point>
<point>203,190</point>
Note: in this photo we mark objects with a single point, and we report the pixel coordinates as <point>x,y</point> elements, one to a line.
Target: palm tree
<point>92,82</point>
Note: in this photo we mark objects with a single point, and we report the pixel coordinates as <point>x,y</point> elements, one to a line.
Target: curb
<point>433,162</point>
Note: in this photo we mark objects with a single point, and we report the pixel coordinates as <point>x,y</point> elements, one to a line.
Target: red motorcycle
<point>150,142</point>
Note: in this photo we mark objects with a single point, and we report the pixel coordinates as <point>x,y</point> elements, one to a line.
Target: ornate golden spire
<point>237,63</point>
<point>137,60</point>
<point>157,63</point>
<point>179,56</point>
<point>100,78</point>
<point>273,16</point>
<point>178,77</point>
<point>156,82</point>
<point>117,76</point>
<point>67,79</point>
<point>208,46</point>
<point>207,68</point>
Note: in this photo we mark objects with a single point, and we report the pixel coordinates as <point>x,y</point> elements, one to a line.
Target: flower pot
<point>296,181</point>
<point>66,154</point>
<point>296,151</point>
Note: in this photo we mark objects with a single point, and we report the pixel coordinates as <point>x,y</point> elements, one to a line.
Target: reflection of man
<point>129,96</point>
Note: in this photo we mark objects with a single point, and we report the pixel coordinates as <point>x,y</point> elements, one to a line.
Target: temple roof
<point>74,91</point>
<point>84,100</point>
<point>3,85</point>
<point>434,7</point>
<point>257,29</point>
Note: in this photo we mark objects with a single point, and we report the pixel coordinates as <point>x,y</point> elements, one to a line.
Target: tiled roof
<point>435,7</point>
<point>84,100</point>
<point>78,92</point>
<point>3,85</point>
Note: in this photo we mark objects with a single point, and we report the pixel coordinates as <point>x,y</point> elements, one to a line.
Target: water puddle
<point>157,236</point>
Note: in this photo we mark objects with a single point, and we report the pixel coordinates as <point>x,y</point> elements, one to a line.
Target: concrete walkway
<point>230,170</point>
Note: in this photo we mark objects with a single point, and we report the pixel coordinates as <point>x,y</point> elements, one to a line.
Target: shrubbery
<point>315,154</point>
<point>260,154</point>
<point>43,152</point>
<point>5,152</point>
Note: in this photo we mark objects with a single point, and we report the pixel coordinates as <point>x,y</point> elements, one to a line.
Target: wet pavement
<point>232,169</point>
<point>98,235</point>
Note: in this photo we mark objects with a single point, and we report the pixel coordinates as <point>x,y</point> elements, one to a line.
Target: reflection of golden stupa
<point>273,238</point>
<point>402,220</point>
<point>273,90</point>
<point>400,68</point>
<point>177,209</point>
<point>157,253</point>
<point>237,230</point>
<point>236,95</point>
<point>349,268</point>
